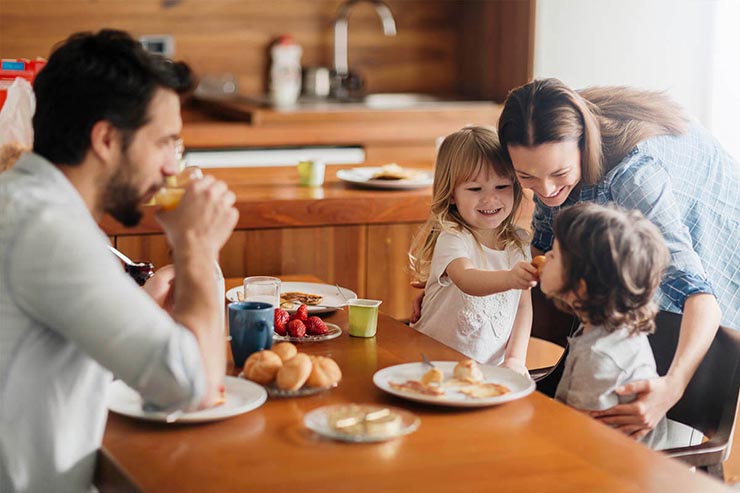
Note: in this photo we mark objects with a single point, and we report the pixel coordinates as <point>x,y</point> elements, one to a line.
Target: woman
<point>635,148</point>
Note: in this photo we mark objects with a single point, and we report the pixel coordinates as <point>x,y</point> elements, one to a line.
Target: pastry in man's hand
<point>294,372</point>
<point>262,366</point>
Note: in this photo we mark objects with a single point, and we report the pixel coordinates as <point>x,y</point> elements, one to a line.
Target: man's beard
<point>121,198</point>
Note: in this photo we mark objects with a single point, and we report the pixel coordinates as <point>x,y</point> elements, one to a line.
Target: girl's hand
<point>416,302</point>
<point>517,365</point>
<point>523,276</point>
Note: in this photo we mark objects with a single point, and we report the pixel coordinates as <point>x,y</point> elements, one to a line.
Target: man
<point>106,127</point>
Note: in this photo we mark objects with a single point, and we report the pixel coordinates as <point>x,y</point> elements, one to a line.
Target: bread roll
<point>285,350</point>
<point>538,262</point>
<point>324,372</point>
<point>294,372</point>
<point>262,366</point>
<point>468,371</point>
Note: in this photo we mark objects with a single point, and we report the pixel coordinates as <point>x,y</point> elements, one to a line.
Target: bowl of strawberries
<point>299,327</point>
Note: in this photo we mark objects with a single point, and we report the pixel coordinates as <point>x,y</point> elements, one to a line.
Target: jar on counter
<point>285,71</point>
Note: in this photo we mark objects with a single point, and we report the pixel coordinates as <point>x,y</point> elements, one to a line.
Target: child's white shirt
<point>477,326</point>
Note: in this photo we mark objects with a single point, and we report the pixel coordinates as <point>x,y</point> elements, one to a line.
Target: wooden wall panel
<point>334,254</point>
<point>495,47</point>
<point>389,277</point>
<point>217,36</point>
<point>145,248</point>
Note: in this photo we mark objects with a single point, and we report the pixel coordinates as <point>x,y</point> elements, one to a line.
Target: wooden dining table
<point>533,444</point>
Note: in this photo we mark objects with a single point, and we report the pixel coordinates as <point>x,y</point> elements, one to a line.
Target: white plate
<point>519,385</point>
<point>331,298</point>
<point>334,332</point>
<point>318,421</point>
<point>241,396</point>
<point>364,177</point>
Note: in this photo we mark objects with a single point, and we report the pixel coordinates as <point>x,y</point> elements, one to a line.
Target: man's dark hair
<point>93,77</point>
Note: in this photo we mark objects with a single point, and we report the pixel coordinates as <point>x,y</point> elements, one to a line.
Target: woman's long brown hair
<point>607,122</point>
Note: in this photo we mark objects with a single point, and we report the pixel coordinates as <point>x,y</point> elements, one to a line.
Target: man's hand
<point>204,219</point>
<point>636,419</point>
<point>161,287</point>
<point>416,303</point>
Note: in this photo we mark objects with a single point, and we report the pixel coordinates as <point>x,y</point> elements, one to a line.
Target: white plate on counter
<point>331,301</point>
<point>519,385</point>
<point>241,396</point>
<point>363,177</point>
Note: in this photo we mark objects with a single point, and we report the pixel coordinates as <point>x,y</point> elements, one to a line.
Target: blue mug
<point>251,324</point>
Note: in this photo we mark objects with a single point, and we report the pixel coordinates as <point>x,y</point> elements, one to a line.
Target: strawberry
<point>296,328</point>
<point>315,326</point>
<point>300,314</point>
<point>281,321</point>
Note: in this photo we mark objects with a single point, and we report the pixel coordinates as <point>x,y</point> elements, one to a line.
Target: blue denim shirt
<point>689,187</point>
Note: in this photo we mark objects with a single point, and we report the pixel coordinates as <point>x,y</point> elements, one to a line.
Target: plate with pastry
<point>454,383</point>
<point>239,396</point>
<point>319,298</point>
<point>361,422</point>
<point>389,176</point>
<point>286,372</point>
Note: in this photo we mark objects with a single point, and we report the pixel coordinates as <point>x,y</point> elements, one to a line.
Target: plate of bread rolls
<point>286,372</point>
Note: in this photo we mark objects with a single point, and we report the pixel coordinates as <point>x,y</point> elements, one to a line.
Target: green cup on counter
<point>363,317</point>
<point>311,173</point>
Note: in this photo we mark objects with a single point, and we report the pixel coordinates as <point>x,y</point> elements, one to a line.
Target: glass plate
<point>318,421</point>
<point>334,332</point>
<point>273,390</point>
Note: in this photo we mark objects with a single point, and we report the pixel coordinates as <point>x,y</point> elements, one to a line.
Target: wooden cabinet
<point>369,259</point>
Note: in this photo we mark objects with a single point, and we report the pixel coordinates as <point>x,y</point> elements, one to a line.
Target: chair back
<point>709,403</point>
<point>710,400</point>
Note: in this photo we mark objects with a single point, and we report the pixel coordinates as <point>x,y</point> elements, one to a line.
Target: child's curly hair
<point>620,256</point>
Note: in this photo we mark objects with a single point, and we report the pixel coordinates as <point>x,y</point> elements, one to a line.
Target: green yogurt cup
<point>363,317</point>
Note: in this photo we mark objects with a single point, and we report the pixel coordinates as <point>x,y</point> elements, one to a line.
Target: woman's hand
<point>161,287</point>
<point>654,398</point>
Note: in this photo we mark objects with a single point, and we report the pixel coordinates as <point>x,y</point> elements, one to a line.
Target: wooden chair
<point>552,325</point>
<point>710,401</point>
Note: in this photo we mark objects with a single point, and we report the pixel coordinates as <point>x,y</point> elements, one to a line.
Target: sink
<point>383,100</point>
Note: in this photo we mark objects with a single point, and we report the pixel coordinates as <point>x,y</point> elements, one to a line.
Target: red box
<point>20,67</point>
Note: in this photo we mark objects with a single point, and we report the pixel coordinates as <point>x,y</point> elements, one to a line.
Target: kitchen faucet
<point>344,83</point>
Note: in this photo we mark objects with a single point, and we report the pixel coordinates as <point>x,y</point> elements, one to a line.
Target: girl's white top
<point>477,326</point>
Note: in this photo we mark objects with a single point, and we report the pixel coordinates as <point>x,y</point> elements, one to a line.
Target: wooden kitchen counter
<point>271,198</point>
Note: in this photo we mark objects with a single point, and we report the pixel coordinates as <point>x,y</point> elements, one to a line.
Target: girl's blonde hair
<point>607,122</point>
<point>461,157</point>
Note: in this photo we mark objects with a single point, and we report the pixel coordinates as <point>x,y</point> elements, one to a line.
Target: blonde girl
<point>472,256</point>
